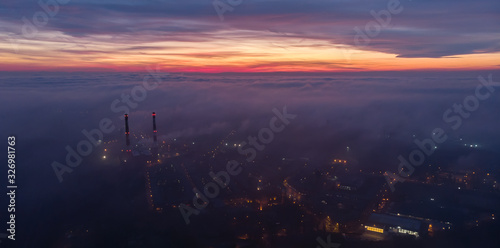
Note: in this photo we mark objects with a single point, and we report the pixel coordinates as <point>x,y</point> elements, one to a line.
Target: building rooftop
<point>405,223</point>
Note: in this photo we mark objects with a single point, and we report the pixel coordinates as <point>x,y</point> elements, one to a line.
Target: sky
<point>249,35</point>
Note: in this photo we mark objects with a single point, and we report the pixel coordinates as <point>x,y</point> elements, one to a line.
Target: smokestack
<point>126,124</point>
<point>127,131</point>
<point>154,126</point>
<point>154,122</point>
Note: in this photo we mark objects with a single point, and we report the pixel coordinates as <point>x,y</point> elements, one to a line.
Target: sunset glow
<point>189,37</point>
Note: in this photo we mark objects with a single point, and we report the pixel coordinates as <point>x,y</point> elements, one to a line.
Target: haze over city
<point>250,123</point>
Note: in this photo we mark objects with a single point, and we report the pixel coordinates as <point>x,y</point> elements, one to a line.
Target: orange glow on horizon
<point>234,53</point>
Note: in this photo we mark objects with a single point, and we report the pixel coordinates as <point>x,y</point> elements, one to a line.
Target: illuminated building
<point>292,193</point>
<point>374,229</point>
<point>384,223</point>
<point>430,231</point>
<point>330,226</point>
<point>350,183</point>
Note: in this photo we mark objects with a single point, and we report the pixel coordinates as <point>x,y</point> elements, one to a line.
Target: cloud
<point>424,29</point>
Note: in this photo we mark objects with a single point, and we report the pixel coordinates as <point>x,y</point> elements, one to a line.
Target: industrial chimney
<point>154,122</point>
<point>126,124</point>
<point>127,131</point>
<point>154,126</point>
